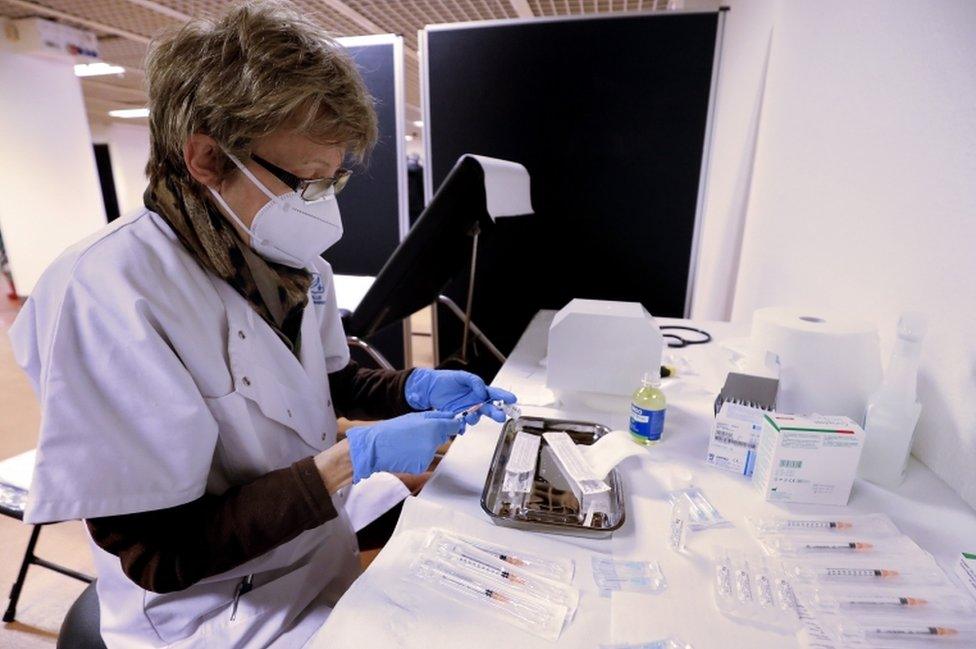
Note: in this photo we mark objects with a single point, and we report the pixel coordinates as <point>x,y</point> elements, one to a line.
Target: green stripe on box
<point>969,556</point>
<point>779,428</point>
<point>819,430</point>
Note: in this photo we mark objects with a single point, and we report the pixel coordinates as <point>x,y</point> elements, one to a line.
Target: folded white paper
<point>507,188</point>
<point>369,499</point>
<point>609,451</point>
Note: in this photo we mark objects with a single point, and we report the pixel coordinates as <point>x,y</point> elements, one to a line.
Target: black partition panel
<point>609,115</point>
<point>371,204</point>
<point>103,162</point>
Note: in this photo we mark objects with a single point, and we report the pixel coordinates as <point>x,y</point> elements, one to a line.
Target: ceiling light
<point>129,113</point>
<point>97,69</point>
<point>408,138</point>
<point>419,123</point>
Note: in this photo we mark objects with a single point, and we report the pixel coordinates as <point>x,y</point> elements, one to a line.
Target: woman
<point>191,363</point>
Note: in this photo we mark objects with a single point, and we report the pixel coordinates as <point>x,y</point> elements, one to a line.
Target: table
<point>924,508</point>
<point>351,289</point>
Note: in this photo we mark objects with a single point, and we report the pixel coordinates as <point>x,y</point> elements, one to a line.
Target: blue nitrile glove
<point>454,391</point>
<point>405,444</point>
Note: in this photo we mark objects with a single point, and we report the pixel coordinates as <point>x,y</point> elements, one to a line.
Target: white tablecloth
<point>384,607</point>
<point>17,471</point>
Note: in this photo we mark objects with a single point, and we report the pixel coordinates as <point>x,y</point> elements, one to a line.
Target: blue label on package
<point>648,424</point>
<point>750,464</point>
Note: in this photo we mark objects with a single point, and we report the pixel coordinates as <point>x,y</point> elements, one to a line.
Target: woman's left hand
<point>455,391</point>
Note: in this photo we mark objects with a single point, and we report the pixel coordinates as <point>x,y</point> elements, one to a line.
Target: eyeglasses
<point>309,190</point>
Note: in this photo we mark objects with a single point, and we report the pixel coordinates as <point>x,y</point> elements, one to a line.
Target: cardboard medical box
<point>807,459</point>
<point>735,437</point>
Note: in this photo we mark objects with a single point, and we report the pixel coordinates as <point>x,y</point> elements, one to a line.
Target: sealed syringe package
<point>889,631</point>
<point>611,574</point>
<point>508,603</point>
<point>866,585</point>
<point>530,592</point>
<point>889,612</point>
<point>457,552</point>
<point>555,568</point>
<point>753,589</point>
<point>864,525</point>
<point>909,602</point>
<point>822,546</point>
<point>879,572</point>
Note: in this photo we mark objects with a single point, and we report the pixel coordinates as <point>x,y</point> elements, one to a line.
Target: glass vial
<point>647,410</point>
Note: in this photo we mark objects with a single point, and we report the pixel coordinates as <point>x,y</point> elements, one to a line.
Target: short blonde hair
<point>259,68</point>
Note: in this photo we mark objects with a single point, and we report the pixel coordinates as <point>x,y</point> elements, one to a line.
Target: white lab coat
<point>158,382</point>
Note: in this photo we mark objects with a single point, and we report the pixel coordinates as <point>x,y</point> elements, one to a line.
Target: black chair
<point>12,502</point>
<point>80,628</point>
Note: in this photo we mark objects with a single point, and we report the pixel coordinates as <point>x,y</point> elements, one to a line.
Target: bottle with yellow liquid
<point>647,410</point>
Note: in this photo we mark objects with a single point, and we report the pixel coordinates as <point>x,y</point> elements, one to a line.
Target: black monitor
<point>436,249</point>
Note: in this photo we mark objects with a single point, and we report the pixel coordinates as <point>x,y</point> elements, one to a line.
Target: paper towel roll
<point>829,364</point>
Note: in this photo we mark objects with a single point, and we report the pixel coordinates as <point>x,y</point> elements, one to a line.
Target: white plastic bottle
<point>892,412</point>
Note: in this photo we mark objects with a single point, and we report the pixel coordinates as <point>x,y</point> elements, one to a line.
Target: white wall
<point>741,82</point>
<point>863,194</point>
<point>49,192</point>
<point>128,147</point>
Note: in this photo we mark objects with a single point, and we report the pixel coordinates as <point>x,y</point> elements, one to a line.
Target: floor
<point>47,596</point>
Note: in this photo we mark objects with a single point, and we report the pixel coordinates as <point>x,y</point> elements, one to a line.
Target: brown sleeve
<point>171,549</point>
<point>363,393</point>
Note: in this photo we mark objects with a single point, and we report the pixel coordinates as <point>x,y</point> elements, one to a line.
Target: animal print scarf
<point>278,293</point>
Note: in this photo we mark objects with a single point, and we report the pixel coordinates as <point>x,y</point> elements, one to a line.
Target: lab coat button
<point>241,335</point>
<point>329,403</point>
<point>246,381</point>
<point>323,436</point>
<point>289,413</point>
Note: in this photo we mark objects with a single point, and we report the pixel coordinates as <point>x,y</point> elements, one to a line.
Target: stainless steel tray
<point>548,507</point>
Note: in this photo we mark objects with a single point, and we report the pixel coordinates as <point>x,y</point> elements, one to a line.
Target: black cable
<point>678,341</point>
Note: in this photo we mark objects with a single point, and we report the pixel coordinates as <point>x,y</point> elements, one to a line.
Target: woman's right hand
<point>404,444</point>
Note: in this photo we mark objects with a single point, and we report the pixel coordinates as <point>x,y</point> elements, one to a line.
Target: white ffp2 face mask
<point>287,230</point>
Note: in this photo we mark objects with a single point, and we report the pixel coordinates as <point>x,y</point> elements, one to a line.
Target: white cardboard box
<point>807,459</point>
<point>602,346</point>
<point>735,437</point>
